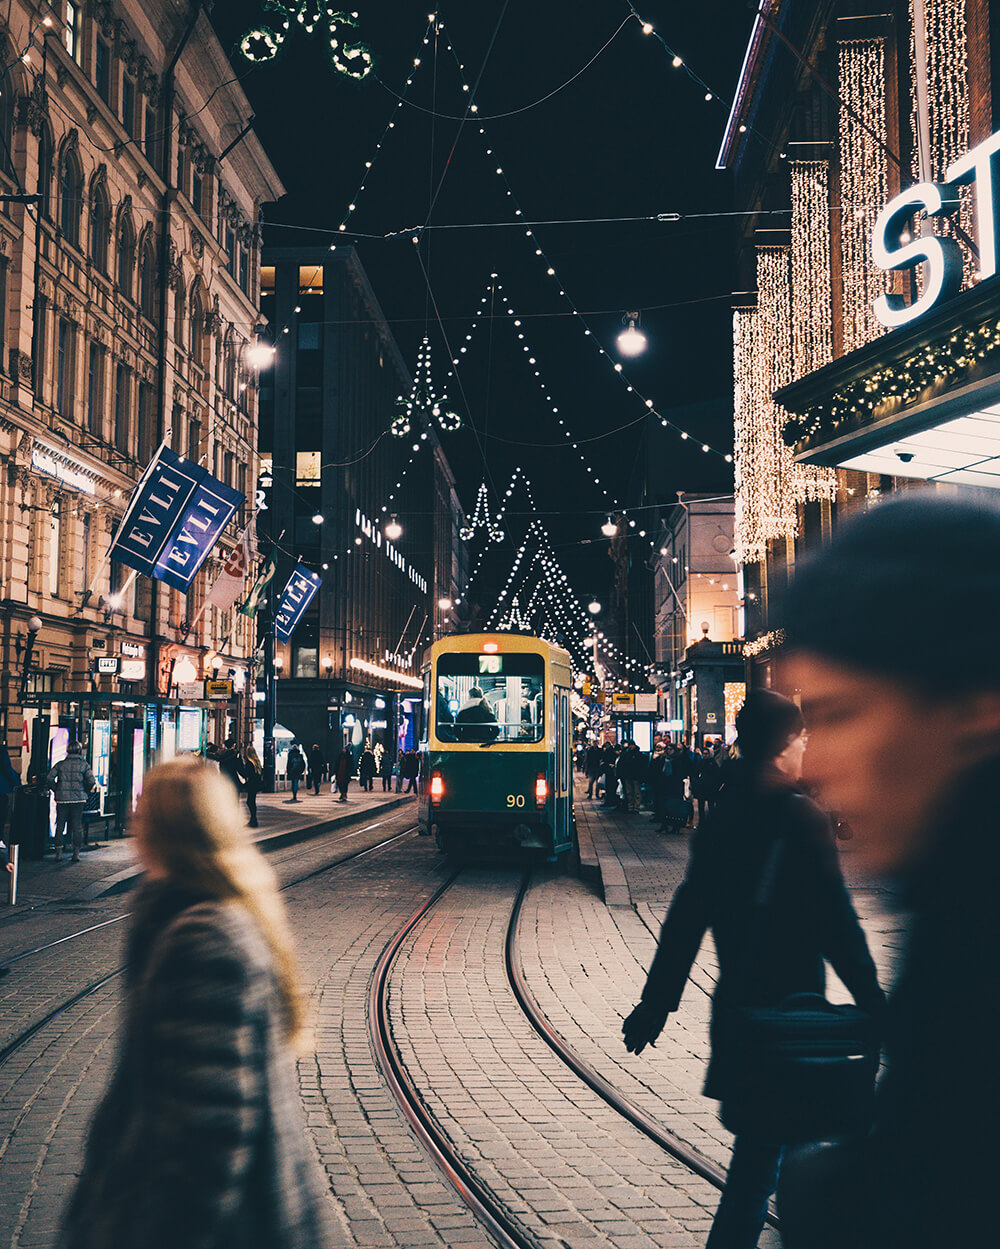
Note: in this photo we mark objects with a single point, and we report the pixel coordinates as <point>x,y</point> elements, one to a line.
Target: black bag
<point>806,1067</point>
<point>676,810</point>
<point>809,1070</point>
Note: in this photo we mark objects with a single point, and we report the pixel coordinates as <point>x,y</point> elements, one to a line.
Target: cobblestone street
<point>561,1162</point>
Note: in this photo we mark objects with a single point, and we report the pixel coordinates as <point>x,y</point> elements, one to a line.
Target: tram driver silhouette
<point>476,717</point>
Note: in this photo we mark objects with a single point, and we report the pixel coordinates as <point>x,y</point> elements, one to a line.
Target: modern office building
<point>334,478</point>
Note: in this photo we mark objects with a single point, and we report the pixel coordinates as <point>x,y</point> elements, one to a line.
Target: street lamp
<point>609,528</point>
<point>445,604</point>
<point>594,607</point>
<point>393,529</point>
<point>328,665</point>
<point>317,518</point>
<point>631,341</point>
<point>34,624</point>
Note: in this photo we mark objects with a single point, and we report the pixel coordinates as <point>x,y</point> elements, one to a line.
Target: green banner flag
<point>252,601</point>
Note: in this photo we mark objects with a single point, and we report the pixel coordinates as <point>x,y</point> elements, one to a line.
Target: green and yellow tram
<point>496,751</point>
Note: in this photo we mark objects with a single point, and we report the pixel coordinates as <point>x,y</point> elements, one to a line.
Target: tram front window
<point>490,698</point>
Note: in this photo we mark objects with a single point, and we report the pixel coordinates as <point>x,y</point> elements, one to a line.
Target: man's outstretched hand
<point>643,1026</point>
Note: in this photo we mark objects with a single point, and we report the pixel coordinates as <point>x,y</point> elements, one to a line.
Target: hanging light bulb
<point>609,528</point>
<point>393,529</point>
<point>631,341</point>
<point>594,607</point>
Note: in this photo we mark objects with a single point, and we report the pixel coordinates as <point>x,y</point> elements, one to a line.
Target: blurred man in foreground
<point>904,719</point>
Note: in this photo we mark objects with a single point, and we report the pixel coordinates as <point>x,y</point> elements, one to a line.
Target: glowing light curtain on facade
<point>863,183</point>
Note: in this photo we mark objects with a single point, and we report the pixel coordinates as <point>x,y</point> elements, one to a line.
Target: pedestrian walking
<point>610,775</point>
<point>295,769</point>
<point>632,768</point>
<point>10,782</point>
<point>230,764</point>
<point>385,770</point>
<point>253,778</point>
<point>71,781</point>
<point>592,767</point>
<point>342,769</point>
<point>317,768</point>
<point>200,1138</point>
<point>411,770</point>
<point>764,826</point>
<point>705,783</point>
<point>367,767</point>
<point>905,745</point>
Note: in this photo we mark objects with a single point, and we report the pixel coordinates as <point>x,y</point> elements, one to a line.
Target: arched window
<point>180,311</point>
<point>7,100</point>
<point>197,328</point>
<point>70,196</point>
<point>44,184</point>
<point>126,255</point>
<point>147,279</point>
<point>100,225</point>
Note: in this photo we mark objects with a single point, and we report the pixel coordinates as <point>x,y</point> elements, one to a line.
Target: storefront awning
<point>922,401</point>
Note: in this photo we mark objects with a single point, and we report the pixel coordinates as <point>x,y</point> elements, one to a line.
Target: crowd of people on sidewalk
<point>670,781</point>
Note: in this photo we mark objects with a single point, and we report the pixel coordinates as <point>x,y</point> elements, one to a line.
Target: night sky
<point>631,136</point>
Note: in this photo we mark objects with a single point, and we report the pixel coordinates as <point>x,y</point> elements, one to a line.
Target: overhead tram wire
<point>514,111</point>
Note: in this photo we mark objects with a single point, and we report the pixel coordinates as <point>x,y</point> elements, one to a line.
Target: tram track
<point>505,1229</point>
<point>22,1039</point>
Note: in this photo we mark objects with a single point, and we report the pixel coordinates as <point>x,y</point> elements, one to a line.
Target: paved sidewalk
<point>110,866</point>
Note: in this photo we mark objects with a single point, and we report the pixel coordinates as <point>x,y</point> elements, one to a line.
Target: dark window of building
<point>7,102</point>
<point>126,256</point>
<point>64,369</point>
<point>122,408</point>
<point>179,306</point>
<point>128,104</point>
<point>231,251</point>
<point>38,344</point>
<point>95,389</point>
<point>197,331</point>
<point>245,268</point>
<point>100,226</point>
<point>3,310</point>
<point>70,196</point>
<point>229,468</point>
<point>196,192</point>
<point>150,136</point>
<point>44,183</point>
<point>102,68</point>
<point>147,280</point>
<point>147,423</point>
<point>194,441</point>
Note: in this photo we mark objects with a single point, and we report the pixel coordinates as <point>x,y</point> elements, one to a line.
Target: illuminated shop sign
<point>893,248</point>
<point>52,466</point>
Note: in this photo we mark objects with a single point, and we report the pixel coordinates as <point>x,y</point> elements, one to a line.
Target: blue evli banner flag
<point>295,598</point>
<point>173,520</point>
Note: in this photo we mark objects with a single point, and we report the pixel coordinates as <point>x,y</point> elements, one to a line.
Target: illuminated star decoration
<point>262,43</point>
<point>481,519</point>
<point>423,404</point>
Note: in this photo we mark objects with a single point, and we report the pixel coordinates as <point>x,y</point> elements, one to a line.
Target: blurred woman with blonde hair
<point>200,1139</point>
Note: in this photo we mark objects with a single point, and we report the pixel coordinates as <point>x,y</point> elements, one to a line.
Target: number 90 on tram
<point>496,755</point>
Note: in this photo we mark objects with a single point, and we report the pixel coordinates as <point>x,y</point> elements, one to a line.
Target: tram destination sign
<point>898,244</point>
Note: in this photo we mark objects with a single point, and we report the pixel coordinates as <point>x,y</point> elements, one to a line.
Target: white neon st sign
<point>941,257</point>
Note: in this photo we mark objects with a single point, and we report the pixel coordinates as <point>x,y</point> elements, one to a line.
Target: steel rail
<point>508,1233</point>
<point>24,1037</point>
<point>656,1132</point>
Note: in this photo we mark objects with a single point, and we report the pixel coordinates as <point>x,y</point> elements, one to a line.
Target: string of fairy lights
<point>437,28</point>
<point>863,183</point>
<point>947,94</point>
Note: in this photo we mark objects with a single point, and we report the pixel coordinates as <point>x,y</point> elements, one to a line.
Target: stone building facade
<point>128,294</point>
